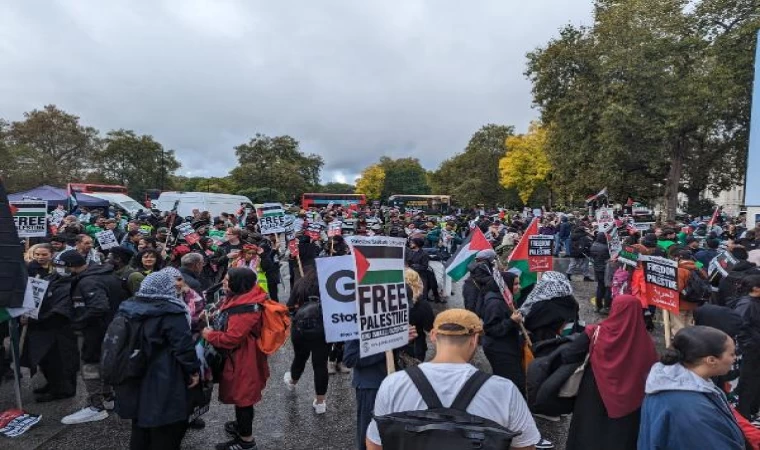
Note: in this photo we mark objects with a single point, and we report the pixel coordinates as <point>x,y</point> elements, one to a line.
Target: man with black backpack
<point>489,407</point>
<point>694,291</point>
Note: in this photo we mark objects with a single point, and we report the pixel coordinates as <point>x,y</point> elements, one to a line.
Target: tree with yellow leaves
<point>371,182</point>
<point>526,165</point>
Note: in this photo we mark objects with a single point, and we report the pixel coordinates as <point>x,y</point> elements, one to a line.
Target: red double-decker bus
<point>317,200</point>
<point>87,188</point>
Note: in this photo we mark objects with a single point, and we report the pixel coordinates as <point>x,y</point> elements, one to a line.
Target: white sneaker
<point>544,444</point>
<point>289,383</point>
<point>331,367</point>
<point>343,369</point>
<point>84,415</point>
<point>319,408</point>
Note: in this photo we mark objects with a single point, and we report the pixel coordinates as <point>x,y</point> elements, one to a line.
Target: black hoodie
<point>728,289</point>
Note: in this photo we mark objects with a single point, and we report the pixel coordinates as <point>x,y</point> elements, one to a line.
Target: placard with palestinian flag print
<point>382,305</point>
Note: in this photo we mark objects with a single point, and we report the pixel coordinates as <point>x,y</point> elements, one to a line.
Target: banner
<point>661,277</point>
<point>30,217</point>
<point>15,422</point>
<point>335,228</point>
<point>613,242</point>
<point>629,256</point>
<point>381,302</point>
<point>337,291</point>
<point>605,219</point>
<point>106,239</point>
<point>540,253</point>
<point>188,233</point>
<point>271,218</point>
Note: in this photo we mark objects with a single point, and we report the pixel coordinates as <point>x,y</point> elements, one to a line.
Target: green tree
<point>403,176</point>
<point>137,162</point>
<point>276,163</point>
<point>371,182</point>
<point>263,195</point>
<point>49,146</point>
<point>644,101</point>
<point>337,188</point>
<point>525,166</point>
<point>472,177</point>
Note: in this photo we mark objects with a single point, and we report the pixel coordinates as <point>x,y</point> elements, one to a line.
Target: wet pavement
<point>284,420</point>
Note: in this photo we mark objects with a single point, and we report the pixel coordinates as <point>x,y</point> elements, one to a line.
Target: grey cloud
<point>352,81</point>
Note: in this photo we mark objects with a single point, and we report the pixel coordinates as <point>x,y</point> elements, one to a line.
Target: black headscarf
<point>601,237</point>
<point>241,280</point>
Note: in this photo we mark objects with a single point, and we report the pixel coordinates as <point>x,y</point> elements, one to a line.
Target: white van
<point>202,201</point>
<point>123,201</point>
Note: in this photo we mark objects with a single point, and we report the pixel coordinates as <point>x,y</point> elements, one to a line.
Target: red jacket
<point>246,370</point>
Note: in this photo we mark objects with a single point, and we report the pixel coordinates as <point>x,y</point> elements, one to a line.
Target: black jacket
<point>600,254</point>
<point>34,270</point>
<point>749,334</point>
<point>579,239</point>
<point>548,317</point>
<point>728,288</point>
<point>96,294</point>
<point>565,228</point>
<point>501,334</point>
<point>161,396</point>
<point>57,299</point>
<point>421,317</point>
<point>417,260</point>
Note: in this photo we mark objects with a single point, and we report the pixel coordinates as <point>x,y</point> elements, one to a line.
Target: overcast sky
<point>352,80</point>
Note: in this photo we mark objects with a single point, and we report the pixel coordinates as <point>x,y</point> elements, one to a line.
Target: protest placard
<point>30,217</point>
<point>723,263</point>
<point>540,253</point>
<point>613,242</point>
<point>382,305</point>
<point>56,217</point>
<point>629,256</point>
<point>15,422</point>
<point>335,228</point>
<point>188,233</point>
<point>661,278</point>
<point>337,292</point>
<point>36,288</point>
<point>271,218</point>
<point>314,230</point>
<point>106,239</point>
<point>605,219</point>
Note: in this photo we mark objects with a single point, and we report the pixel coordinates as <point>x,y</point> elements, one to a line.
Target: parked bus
<point>322,200</point>
<point>436,205</point>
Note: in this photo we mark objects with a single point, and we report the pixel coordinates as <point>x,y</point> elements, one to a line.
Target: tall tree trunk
<point>673,181</point>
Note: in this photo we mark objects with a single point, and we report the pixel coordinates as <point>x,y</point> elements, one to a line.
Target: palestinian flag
<point>270,210</point>
<point>72,198</point>
<point>456,266</point>
<point>519,256</point>
<point>378,264</point>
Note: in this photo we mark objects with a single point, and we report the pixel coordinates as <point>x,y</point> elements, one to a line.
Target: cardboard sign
<point>540,253</point>
<point>613,242</point>
<point>271,218</point>
<point>188,232</point>
<point>335,228</point>
<point>661,278</point>
<point>721,264</point>
<point>106,239</point>
<point>629,256</point>
<point>605,219</point>
<point>337,292</point>
<point>314,231</point>
<point>293,248</point>
<point>36,288</point>
<point>382,305</point>
<point>30,217</point>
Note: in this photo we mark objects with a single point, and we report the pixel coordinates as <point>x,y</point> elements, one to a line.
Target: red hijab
<point>622,356</point>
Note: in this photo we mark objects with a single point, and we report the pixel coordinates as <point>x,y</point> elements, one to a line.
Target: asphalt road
<point>284,420</point>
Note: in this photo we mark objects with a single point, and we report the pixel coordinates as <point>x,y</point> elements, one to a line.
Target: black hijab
<point>241,280</point>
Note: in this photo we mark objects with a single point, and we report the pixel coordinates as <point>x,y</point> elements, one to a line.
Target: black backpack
<point>122,356</point>
<point>308,319</point>
<point>697,289</point>
<point>216,358</point>
<point>440,428</point>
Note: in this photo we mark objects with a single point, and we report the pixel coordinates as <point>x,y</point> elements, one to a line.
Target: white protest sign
<point>381,301</point>
<point>30,217</point>
<point>605,219</point>
<point>337,293</point>
<point>106,239</point>
<point>335,228</point>
<point>271,218</point>
<point>56,217</point>
<point>36,288</point>
<point>613,242</point>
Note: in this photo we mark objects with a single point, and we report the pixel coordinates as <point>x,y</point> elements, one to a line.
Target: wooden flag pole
<point>390,365</point>
<point>300,266</point>
<point>666,322</point>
